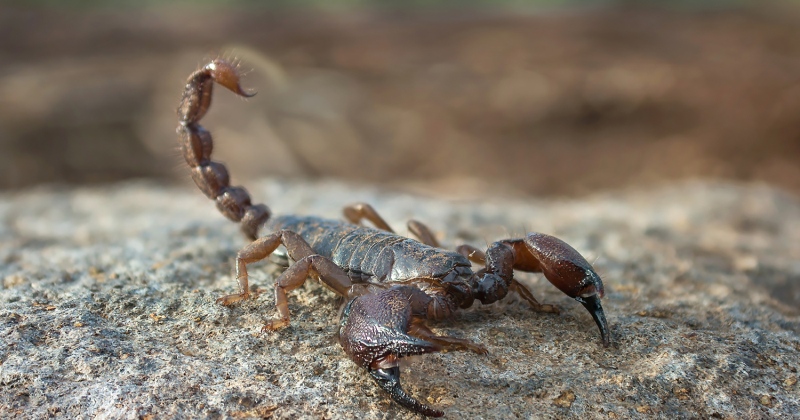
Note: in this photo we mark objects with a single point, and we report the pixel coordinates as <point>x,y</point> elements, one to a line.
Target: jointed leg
<point>307,263</point>
<point>526,294</point>
<point>420,330</point>
<point>355,213</point>
<point>296,275</point>
<point>474,254</point>
<point>422,233</point>
<point>257,251</point>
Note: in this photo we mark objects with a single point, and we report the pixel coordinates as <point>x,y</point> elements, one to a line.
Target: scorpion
<point>392,285</point>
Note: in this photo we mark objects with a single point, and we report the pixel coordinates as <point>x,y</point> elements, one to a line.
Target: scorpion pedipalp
<point>565,268</point>
<point>561,264</point>
<point>379,328</point>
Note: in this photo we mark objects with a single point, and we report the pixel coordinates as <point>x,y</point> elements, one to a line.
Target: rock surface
<point>108,310</point>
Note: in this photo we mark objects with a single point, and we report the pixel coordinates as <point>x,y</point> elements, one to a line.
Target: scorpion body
<point>373,256</point>
<point>392,284</point>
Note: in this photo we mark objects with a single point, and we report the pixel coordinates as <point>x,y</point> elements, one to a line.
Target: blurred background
<point>456,99</point>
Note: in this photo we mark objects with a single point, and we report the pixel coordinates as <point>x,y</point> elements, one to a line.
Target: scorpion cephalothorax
<point>392,284</point>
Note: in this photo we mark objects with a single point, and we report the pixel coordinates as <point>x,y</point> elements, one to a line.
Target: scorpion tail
<point>389,380</point>
<point>196,144</point>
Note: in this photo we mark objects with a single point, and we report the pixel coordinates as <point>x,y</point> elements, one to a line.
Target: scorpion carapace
<point>392,284</point>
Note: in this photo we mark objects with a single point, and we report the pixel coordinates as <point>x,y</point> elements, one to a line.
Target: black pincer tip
<point>389,380</point>
<point>592,304</point>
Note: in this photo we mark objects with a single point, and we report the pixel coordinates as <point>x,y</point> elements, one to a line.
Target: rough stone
<point>108,309</point>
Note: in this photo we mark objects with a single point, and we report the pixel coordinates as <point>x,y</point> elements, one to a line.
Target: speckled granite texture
<point>108,310</point>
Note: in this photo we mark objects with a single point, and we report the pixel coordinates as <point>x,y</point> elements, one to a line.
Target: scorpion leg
<point>420,330</point>
<point>526,294</point>
<point>355,213</point>
<point>560,263</point>
<point>296,275</point>
<point>300,251</point>
<point>423,233</point>
<point>473,254</point>
<point>254,252</point>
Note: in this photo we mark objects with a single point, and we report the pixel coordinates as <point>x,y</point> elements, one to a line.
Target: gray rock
<point>108,310</point>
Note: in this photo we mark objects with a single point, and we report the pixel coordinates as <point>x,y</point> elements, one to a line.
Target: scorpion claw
<point>592,304</point>
<point>378,329</point>
<point>389,380</point>
<point>566,269</point>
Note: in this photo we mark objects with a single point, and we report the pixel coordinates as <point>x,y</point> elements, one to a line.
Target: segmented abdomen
<point>367,253</point>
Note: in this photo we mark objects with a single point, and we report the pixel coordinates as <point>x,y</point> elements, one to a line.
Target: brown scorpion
<point>392,284</point>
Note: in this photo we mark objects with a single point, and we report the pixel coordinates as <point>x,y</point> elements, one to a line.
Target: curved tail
<point>196,144</point>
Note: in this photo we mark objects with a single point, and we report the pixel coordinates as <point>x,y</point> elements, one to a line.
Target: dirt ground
<point>455,104</point>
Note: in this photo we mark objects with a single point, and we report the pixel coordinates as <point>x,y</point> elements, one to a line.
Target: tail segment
<point>196,144</point>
